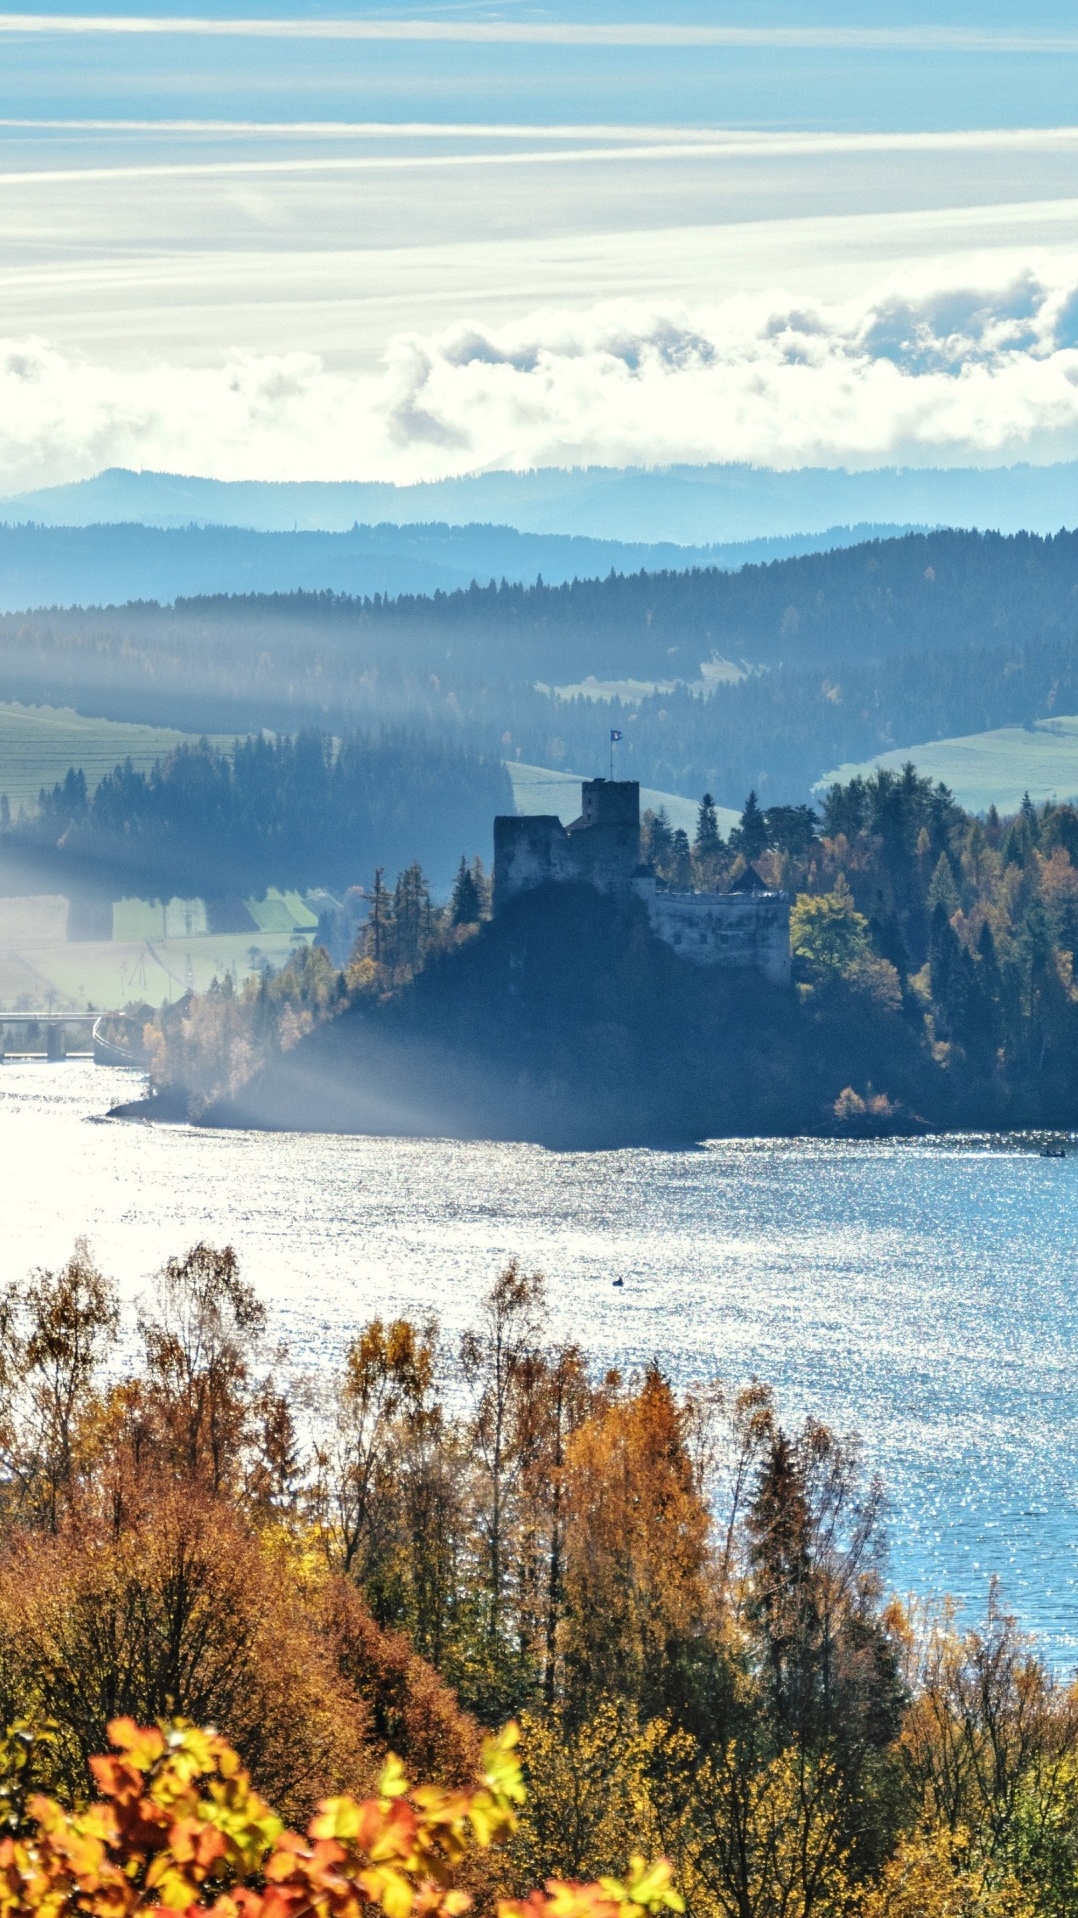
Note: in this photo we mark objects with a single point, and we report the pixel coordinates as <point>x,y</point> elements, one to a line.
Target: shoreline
<point>171,1107</point>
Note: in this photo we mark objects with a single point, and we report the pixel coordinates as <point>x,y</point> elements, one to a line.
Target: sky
<point>410,242</point>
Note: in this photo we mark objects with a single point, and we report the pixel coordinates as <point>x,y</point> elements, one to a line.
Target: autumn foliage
<point>178,1827</point>
<point>681,1601</point>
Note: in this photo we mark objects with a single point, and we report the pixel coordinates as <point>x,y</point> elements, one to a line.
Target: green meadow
<point>991,769</point>
<point>39,744</point>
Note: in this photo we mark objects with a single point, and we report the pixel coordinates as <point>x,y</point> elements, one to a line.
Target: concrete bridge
<point>63,1035</point>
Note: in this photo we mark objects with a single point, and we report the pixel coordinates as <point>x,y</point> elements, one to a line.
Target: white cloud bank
<point>927,373</point>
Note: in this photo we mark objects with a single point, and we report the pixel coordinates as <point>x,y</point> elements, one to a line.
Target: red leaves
<point>178,1829</point>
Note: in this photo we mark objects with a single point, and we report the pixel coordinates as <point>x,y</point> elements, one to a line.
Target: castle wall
<point>740,931</point>
<point>529,852</point>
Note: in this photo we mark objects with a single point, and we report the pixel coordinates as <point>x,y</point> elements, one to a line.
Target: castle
<point>747,928</point>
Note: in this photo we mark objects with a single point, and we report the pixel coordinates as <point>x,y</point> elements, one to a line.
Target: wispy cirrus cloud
<point>934,372</point>
<point>882,39</point>
<point>538,147</point>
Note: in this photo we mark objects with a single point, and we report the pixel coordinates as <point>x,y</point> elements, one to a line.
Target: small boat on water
<point>1053,1151</point>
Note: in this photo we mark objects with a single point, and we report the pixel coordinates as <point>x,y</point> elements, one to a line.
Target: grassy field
<point>539,789</point>
<point>38,745</point>
<point>991,769</point>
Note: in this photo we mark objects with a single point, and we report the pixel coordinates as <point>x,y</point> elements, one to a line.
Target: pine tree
<point>377,929</point>
<point>681,858</point>
<point>982,1038</point>
<point>942,890</point>
<point>1021,835</point>
<point>483,887</point>
<point>658,839</point>
<point>943,950</point>
<point>412,918</point>
<point>790,829</point>
<point>749,836</point>
<point>707,845</point>
<point>465,907</point>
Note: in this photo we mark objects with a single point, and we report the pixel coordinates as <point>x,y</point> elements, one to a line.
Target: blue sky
<point>406,242</point>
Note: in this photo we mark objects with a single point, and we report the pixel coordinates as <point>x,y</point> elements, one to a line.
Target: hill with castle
<point>597,1007</point>
<point>745,928</point>
<point>607,1001</point>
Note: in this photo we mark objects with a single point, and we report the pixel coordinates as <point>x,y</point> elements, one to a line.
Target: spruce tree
<point>681,858</point>
<point>465,907</point>
<point>658,839</point>
<point>411,917</point>
<point>942,890</point>
<point>749,836</point>
<point>708,842</point>
<point>943,951</point>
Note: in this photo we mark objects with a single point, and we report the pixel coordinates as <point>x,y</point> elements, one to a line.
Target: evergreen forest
<point>767,677</point>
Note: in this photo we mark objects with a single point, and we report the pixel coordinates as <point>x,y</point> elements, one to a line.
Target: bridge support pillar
<point>55,1043</point>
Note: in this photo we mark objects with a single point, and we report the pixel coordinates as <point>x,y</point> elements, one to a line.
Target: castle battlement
<point>745,929</point>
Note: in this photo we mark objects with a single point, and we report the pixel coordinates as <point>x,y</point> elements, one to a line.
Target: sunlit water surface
<point>924,1296</point>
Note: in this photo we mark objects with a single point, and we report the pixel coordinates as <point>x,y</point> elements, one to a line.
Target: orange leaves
<point>647,1888</point>
<point>179,1828</point>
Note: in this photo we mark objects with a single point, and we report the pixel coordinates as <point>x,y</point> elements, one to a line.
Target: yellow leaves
<point>178,1828</point>
<point>142,1746</point>
<point>337,1819</point>
<point>492,1811</point>
<point>647,1888</point>
<point>392,1890</point>
<point>392,1783</point>
<point>501,1769</point>
<point>934,1875</point>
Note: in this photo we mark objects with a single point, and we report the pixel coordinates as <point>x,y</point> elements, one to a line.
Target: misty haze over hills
<point>837,656</point>
<point>228,608</point>
<point>684,505</point>
<point>111,564</point>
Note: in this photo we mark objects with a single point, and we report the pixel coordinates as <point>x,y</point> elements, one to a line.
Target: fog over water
<point>924,1295</point>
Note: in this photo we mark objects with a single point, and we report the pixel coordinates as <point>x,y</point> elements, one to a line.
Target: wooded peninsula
<point>933,989</point>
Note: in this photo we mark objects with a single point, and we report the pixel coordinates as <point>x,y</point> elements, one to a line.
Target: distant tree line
<point>300,811</point>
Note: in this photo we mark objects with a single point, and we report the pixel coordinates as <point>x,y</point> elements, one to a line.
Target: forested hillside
<point>309,810</point>
<point>100,564</point>
<point>844,654</point>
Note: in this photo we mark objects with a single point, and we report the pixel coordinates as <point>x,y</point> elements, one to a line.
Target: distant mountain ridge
<point>686,505</point>
<point>112,564</point>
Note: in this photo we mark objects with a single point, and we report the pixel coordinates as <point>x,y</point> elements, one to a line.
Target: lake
<point>925,1295</point>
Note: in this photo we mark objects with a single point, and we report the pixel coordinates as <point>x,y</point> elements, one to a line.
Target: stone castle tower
<point>747,928</point>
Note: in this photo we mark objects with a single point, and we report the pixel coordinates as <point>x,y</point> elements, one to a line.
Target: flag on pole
<point>614,735</point>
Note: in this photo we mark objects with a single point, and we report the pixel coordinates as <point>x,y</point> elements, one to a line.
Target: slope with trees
<point>680,1599</point>
<point>849,653</point>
